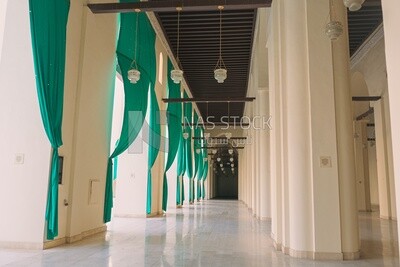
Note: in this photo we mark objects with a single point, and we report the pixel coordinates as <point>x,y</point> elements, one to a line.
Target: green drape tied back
<point>154,144</point>
<point>180,195</point>
<point>203,193</point>
<point>48,21</point>
<point>181,168</point>
<point>136,95</point>
<point>174,119</point>
<point>188,142</point>
<point>197,146</point>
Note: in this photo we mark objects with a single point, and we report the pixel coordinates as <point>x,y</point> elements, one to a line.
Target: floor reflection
<point>211,233</point>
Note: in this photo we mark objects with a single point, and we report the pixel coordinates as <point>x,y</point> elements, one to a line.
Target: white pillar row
<point>362,165</point>
<point>392,39</point>
<point>264,162</point>
<point>382,161</point>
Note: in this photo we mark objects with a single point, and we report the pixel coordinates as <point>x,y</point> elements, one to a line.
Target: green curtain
<point>115,164</point>
<point>204,178</point>
<point>198,193</point>
<point>202,163</point>
<point>188,142</point>
<point>136,95</point>
<point>181,168</point>
<point>180,172</point>
<point>174,119</point>
<point>154,143</point>
<point>48,20</point>
<point>197,145</point>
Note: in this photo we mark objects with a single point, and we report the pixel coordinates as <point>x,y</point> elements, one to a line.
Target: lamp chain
<point>332,10</point>
<point>136,33</point>
<point>229,112</point>
<point>220,33</point>
<point>178,38</point>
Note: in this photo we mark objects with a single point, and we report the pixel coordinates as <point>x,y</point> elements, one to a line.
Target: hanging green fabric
<point>115,164</point>
<point>180,172</point>
<point>181,168</point>
<point>178,191</point>
<point>48,21</point>
<point>198,186</point>
<point>204,178</point>
<point>188,142</point>
<point>202,165</point>
<point>196,144</point>
<point>154,144</point>
<point>174,120</point>
<point>203,190</point>
<point>136,95</point>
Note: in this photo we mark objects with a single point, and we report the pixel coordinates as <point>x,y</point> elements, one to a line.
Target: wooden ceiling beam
<point>171,5</point>
<point>208,100</point>
<point>366,98</point>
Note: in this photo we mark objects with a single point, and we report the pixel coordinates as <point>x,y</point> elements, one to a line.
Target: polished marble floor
<point>212,233</point>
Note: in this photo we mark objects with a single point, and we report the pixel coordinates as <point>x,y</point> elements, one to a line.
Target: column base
<point>277,246</point>
<point>350,256</point>
<point>313,255</point>
<point>155,214</point>
<point>388,218</point>
<point>75,238</point>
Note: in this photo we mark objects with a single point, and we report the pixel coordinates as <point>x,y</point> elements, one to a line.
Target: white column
<point>310,189</point>
<point>382,161</point>
<point>362,165</point>
<point>3,9</point>
<point>298,126</point>
<point>276,136</point>
<point>264,161</point>
<point>256,162</point>
<point>389,151</point>
<point>248,173</point>
<point>345,142</point>
<point>23,183</point>
<point>392,39</point>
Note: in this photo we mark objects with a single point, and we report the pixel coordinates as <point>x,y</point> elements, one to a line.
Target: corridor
<point>210,233</point>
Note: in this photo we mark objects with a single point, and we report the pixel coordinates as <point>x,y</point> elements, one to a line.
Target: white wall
<point>131,184</point>
<point>23,187</point>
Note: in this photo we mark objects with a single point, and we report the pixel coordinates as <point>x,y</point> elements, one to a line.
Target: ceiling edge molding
<point>368,44</point>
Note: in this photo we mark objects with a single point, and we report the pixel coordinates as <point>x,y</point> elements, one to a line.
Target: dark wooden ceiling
<point>363,22</point>
<point>199,52</point>
<point>199,49</point>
